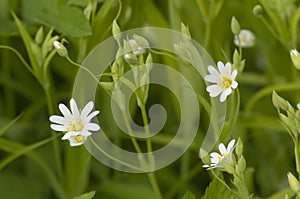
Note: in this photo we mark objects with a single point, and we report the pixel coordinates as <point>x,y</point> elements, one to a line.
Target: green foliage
<point>217,190</point>
<point>59,15</point>
<point>88,195</point>
<point>188,195</point>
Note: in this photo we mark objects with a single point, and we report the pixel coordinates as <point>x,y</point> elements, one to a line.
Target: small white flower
<point>225,154</point>
<point>246,37</point>
<point>136,49</point>
<point>76,125</point>
<point>224,80</point>
<point>298,106</point>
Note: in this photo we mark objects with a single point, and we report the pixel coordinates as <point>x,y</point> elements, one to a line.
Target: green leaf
<point>282,193</point>
<point>89,195</point>
<point>68,20</point>
<point>188,195</point>
<point>4,128</point>
<point>217,190</point>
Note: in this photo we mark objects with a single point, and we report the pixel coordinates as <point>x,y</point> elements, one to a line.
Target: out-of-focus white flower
<point>246,37</point>
<point>224,80</point>
<point>225,154</point>
<point>295,57</point>
<point>136,49</point>
<point>75,125</point>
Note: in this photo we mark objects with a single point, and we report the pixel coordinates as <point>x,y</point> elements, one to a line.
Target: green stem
<point>268,91</point>
<point>147,130</point>
<point>56,150</point>
<point>297,155</point>
<point>154,185</point>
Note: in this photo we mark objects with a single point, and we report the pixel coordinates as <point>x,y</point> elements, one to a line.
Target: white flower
<point>76,125</point>
<point>298,106</point>
<point>225,154</point>
<point>247,39</point>
<point>224,80</point>
<point>136,49</point>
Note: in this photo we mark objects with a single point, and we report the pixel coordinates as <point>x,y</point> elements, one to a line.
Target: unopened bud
<point>116,31</point>
<point>239,147</point>
<point>257,10</point>
<point>60,49</point>
<point>235,26</point>
<point>39,37</point>
<point>130,59</point>
<point>295,57</point>
<point>294,184</point>
<point>185,31</point>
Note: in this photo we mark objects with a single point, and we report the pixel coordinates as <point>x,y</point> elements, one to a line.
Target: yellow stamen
<point>79,138</point>
<point>226,82</point>
<point>75,124</point>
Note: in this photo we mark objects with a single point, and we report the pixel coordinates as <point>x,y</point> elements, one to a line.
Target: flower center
<point>79,138</point>
<point>226,155</point>
<point>75,124</point>
<point>226,82</point>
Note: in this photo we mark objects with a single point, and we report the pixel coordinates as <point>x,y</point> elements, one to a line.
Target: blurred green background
<point>268,149</point>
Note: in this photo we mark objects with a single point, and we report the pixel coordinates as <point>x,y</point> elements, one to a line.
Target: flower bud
<point>239,147</point>
<point>185,31</point>
<point>241,166</point>
<point>257,10</point>
<point>295,57</point>
<point>235,26</point>
<point>116,31</point>
<point>60,49</point>
<point>149,62</point>
<point>279,102</point>
<point>294,184</point>
<point>131,59</point>
<point>39,37</point>
<point>36,51</point>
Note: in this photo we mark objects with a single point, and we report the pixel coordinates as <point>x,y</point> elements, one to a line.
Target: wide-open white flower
<point>76,125</point>
<point>225,154</point>
<point>246,37</point>
<point>224,80</point>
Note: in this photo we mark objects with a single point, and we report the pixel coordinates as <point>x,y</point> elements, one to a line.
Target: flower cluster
<point>224,80</point>
<point>225,155</point>
<point>76,125</point>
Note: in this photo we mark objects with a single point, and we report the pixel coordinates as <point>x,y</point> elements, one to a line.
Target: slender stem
<point>56,150</point>
<point>147,130</point>
<point>297,155</point>
<point>154,185</point>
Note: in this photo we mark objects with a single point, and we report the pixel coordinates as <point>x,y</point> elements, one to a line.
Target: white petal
<point>234,84</point>
<point>224,94</point>
<point>227,69</point>
<point>74,108</point>
<point>205,166</point>
<point>92,127</point>
<point>212,70</point>
<point>215,157</point>
<point>234,74</point>
<point>56,127</point>
<point>87,109</point>
<point>90,116</point>
<point>220,67</point>
<point>58,119</point>
<point>65,111</point>
<point>212,78</point>
<point>70,134</point>
<point>222,149</point>
<point>85,133</point>
<point>230,145</point>
<point>214,90</point>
